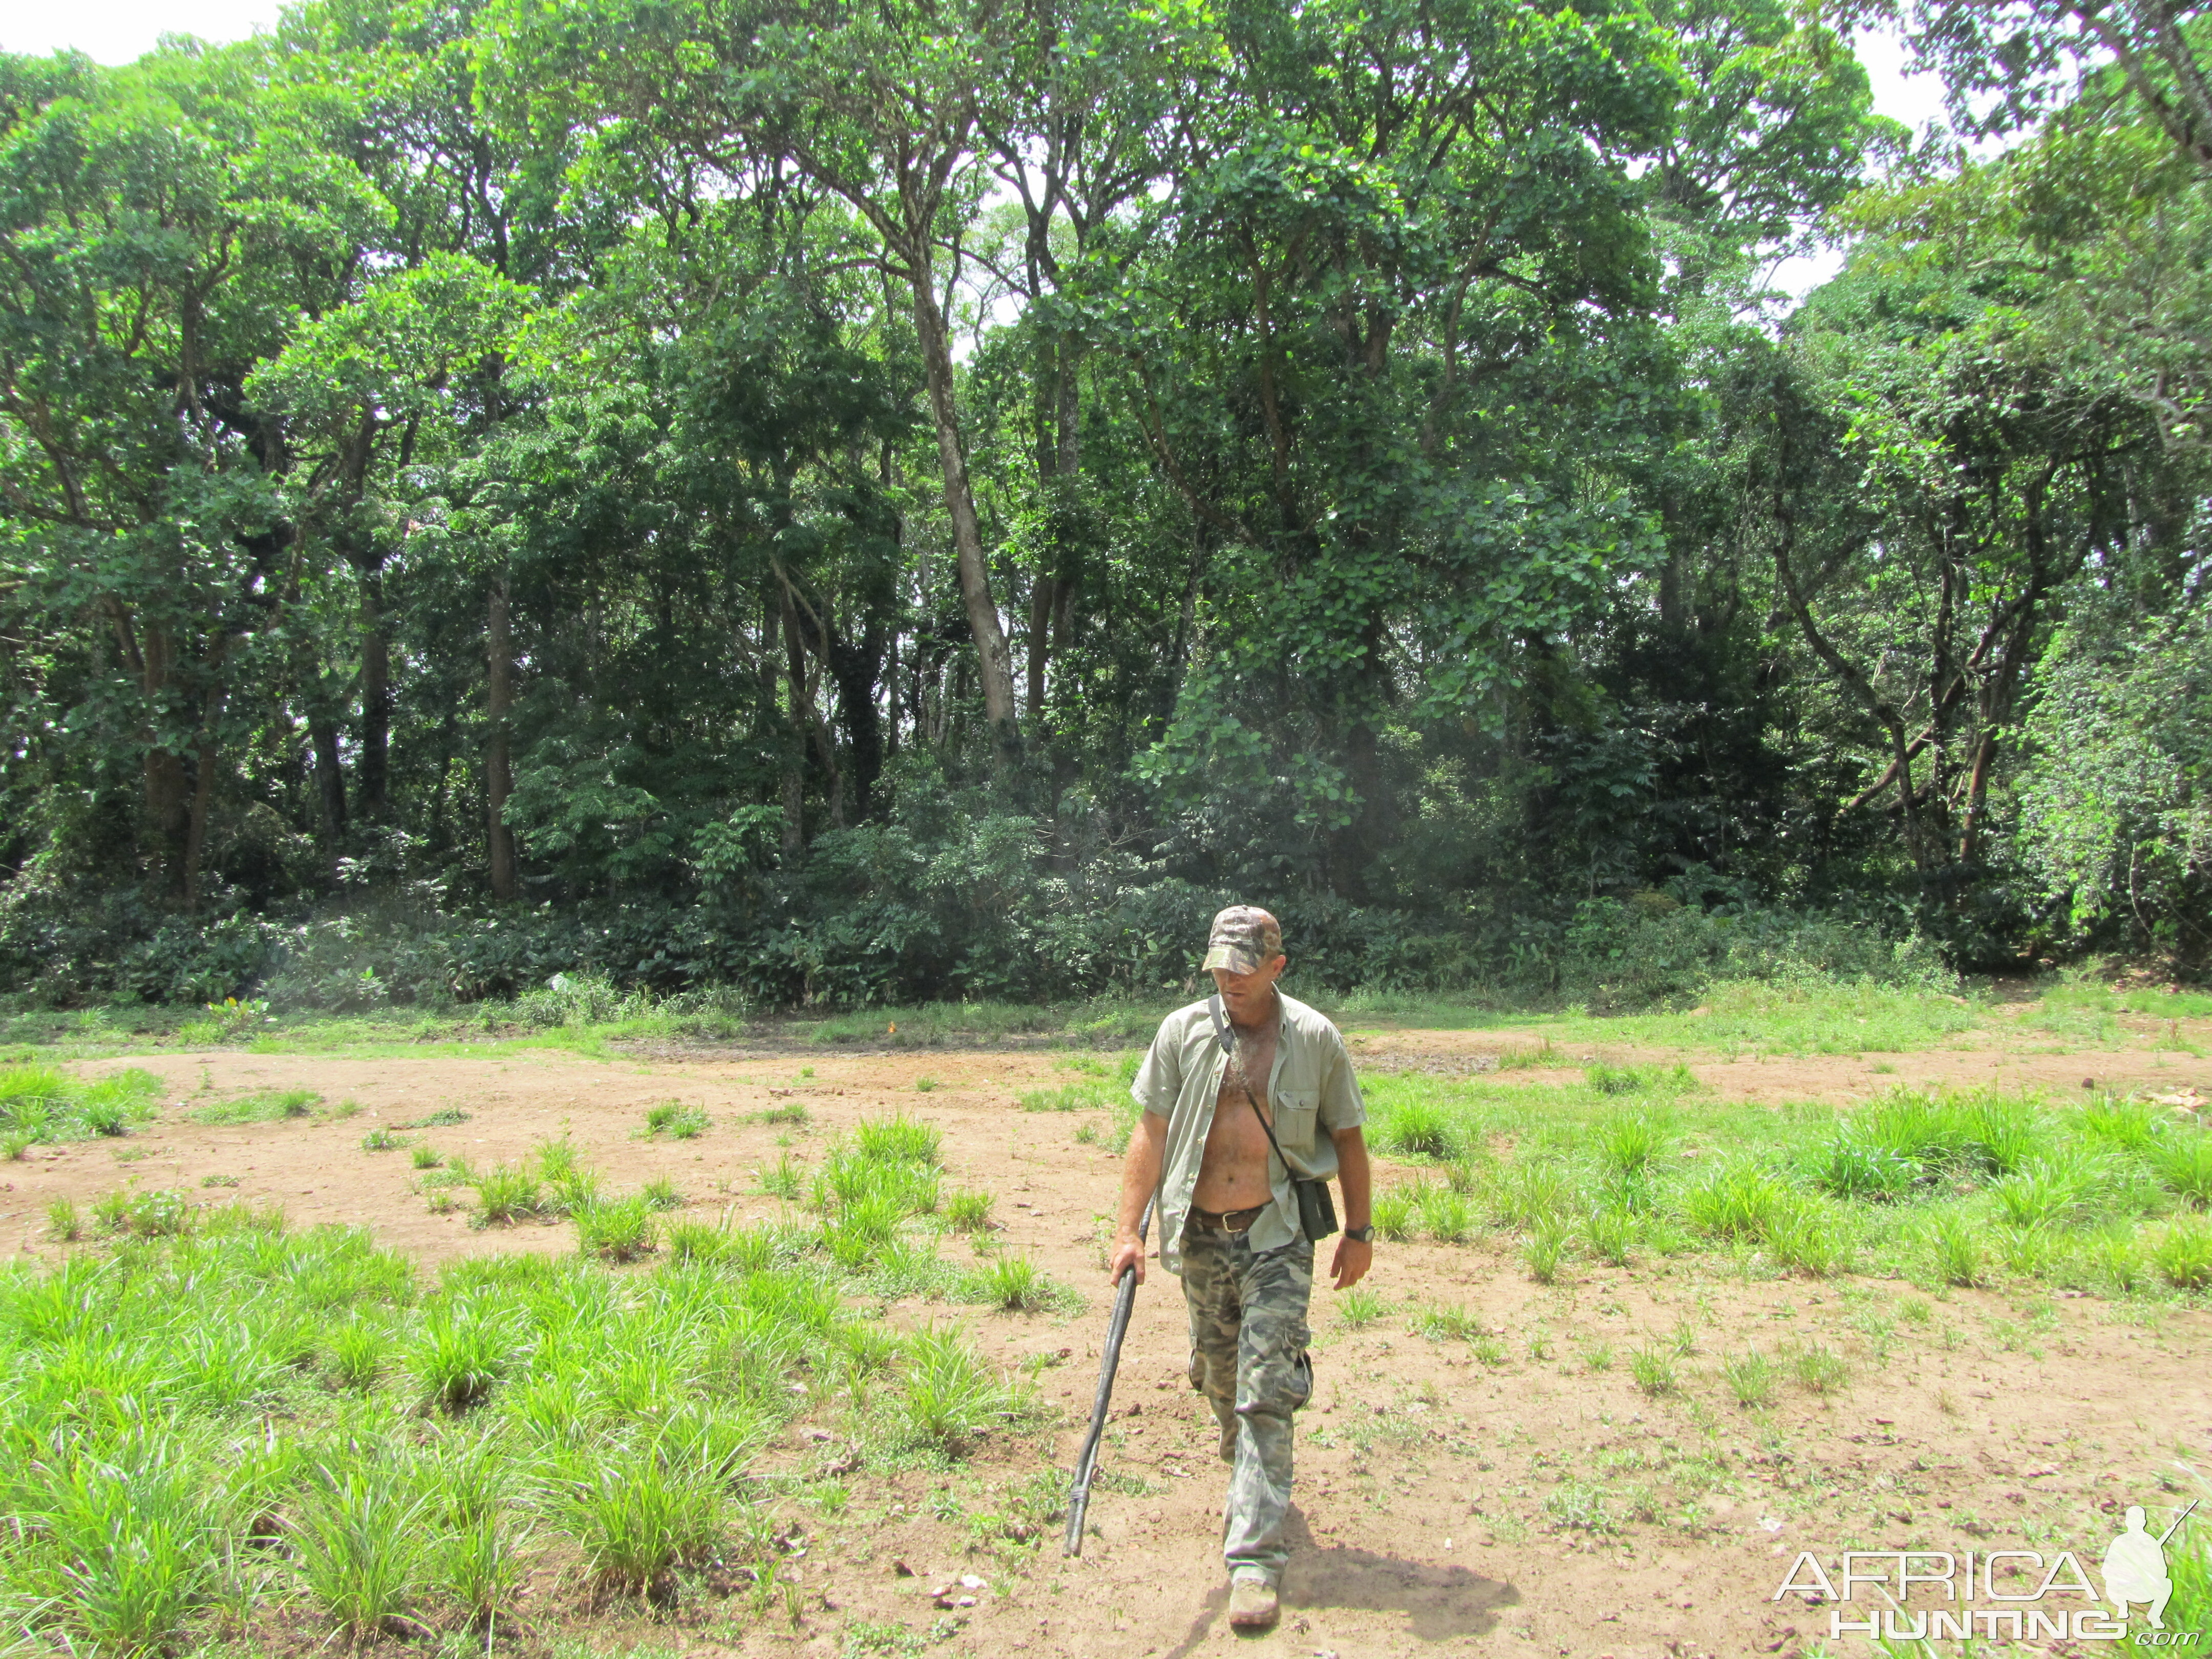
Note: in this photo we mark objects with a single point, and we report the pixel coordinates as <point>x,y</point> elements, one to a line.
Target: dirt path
<point>1539,1504</point>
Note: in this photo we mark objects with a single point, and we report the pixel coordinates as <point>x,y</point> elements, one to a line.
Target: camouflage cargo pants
<point>1248,1357</point>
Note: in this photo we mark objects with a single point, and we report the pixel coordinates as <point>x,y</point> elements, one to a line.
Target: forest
<point>845,502</point>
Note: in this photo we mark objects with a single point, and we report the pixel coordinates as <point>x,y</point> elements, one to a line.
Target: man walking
<point>1246,1094</point>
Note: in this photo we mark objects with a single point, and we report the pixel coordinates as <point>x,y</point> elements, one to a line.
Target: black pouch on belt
<point>1316,1209</point>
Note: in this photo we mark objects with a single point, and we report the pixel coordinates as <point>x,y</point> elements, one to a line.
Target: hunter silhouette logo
<point>2135,1567</point>
<point>2003,1594</point>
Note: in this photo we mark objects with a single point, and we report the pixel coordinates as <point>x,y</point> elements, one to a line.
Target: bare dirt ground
<point>1436,1493</point>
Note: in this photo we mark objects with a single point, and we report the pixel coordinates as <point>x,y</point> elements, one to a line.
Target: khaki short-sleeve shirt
<point>1311,1091</point>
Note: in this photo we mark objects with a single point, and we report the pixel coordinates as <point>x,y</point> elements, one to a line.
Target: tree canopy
<point>859,500</point>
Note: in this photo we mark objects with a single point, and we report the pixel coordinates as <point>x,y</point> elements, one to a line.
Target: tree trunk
<point>994,663</point>
<point>203,785</point>
<point>167,788</point>
<point>857,668</point>
<point>1043,596</point>
<point>806,715</point>
<point>330,779</point>
<point>499,768</point>
<point>375,796</point>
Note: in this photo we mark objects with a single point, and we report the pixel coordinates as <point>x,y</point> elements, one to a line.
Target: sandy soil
<point>1429,1482</point>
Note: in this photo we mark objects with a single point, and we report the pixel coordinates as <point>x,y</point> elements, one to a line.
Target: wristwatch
<point>1360,1235</point>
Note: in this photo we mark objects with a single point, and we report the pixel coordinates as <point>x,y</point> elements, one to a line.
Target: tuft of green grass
<point>616,1228</point>
<point>262,1106</point>
<point>461,1353</point>
<point>2183,1163</point>
<point>1610,1233</point>
<point>63,1221</point>
<point>360,1351</point>
<point>1394,1211</point>
<point>1629,1146</point>
<point>782,1179</point>
<point>896,1140</point>
<point>1545,1248</point>
<point>358,1538</point>
<point>381,1139</point>
<point>2183,1252</point>
<point>1820,1369</point>
<point>637,1515</point>
<point>131,1538</point>
<point>446,1117</point>
<point>1750,1378</point>
<point>699,1241</point>
<point>1653,1367</point>
<point>1580,1507</point>
<point>967,1210</point>
<point>1953,1250</point>
<point>1854,1165</point>
<point>504,1196</point>
<point>1740,1201</point>
<point>157,1214</point>
<point>425,1158</point>
<point>1420,1128</point>
<point>792,1111</point>
<point>2046,1192</point>
<point>659,1195</point>
<point>676,1120</point>
<point>1445,1215</point>
<point>1455,1322</point>
<point>1016,1283</point>
<point>1531,1192</point>
<point>951,1397</point>
<point>1360,1307</point>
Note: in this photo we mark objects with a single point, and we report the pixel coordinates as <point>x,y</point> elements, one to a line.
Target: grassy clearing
<point>1965,1188</point>
<point>204,1385</point>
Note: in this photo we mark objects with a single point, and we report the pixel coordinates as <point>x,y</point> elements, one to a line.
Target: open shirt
<point>1310,1090</point>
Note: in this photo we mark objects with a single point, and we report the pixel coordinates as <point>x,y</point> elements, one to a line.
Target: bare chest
<point>1233,1173</point>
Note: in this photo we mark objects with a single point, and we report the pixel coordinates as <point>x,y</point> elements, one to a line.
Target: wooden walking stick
<point>1086,1460</point>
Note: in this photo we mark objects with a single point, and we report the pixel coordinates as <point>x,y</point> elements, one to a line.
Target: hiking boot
<point>1252,1604</point>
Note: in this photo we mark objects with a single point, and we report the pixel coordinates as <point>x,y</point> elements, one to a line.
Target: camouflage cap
<point>1245,939</point>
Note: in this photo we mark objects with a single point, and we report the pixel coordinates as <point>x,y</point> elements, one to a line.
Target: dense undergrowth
<point>847,939</point>
<point>211,1422</point>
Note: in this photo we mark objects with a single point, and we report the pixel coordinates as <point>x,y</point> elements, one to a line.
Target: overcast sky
<point>117,31</point>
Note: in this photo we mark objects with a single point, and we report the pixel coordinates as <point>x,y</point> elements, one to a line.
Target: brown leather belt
<point>1225,1221</point>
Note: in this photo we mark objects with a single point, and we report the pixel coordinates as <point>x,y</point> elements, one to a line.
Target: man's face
<point>1249,997</point>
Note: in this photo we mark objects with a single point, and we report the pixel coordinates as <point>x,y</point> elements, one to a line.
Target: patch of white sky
<point>119,31</point>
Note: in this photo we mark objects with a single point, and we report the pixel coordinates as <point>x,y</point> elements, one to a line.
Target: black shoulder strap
<point>1226,1036</point>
